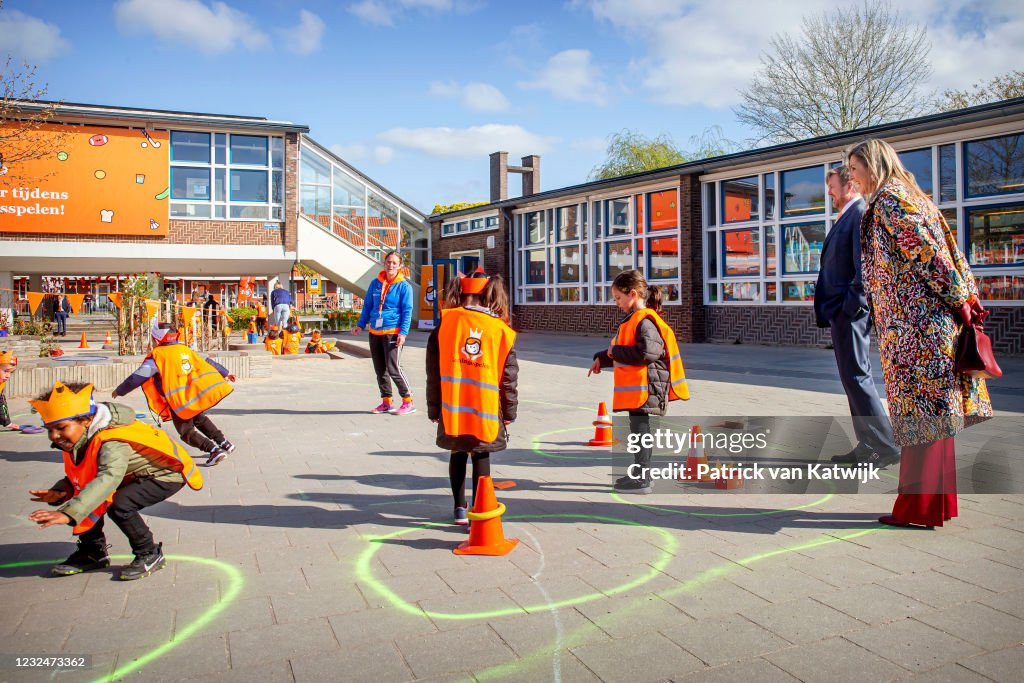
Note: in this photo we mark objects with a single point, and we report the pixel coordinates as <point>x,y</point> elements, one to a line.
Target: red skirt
<point>927,492</point>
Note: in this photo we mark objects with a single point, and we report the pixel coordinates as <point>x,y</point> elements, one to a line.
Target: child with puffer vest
<point>647,365</point>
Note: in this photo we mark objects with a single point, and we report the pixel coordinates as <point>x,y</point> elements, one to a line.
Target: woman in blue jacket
<point>387,314</point>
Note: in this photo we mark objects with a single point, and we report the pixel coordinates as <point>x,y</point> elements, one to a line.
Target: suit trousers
<point>851,340</point>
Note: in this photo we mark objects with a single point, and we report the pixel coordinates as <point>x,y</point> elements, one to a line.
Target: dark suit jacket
<point>839,285</point>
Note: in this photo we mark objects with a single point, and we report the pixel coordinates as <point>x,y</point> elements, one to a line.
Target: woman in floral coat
<point>921,292</point>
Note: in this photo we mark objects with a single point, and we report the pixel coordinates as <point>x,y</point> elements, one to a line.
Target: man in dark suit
<point>840,304</point>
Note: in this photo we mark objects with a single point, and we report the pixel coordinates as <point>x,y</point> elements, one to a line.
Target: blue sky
<point>416,93</point>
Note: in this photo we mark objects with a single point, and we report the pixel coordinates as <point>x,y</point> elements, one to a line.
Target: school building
<point>203,200</point>
<point>735,241</point>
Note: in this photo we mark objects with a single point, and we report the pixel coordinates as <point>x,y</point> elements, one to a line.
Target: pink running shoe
<point>406,408</point>
<point>384,407</point>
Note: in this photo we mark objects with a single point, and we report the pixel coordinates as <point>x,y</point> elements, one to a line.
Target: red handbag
<point>974,355</point>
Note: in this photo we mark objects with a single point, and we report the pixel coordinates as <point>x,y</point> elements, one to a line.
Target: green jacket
<point>116,460</point>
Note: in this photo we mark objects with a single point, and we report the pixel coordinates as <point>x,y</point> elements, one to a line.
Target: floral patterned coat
<point>916,278</point>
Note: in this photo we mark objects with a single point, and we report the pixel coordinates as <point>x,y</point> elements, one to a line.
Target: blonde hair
<point>883,164</point>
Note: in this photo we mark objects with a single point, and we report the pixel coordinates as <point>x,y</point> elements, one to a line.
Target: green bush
<point>240,317</point>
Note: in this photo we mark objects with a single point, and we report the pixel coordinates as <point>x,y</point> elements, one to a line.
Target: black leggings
<point>124,511</point>
<point>387,364</point>
<point>457,474</point>
<point>199,432</point>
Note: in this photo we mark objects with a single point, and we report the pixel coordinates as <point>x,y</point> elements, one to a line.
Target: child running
<point>114,465</point>
<point>180,387</point>
<point>472,375</point>
<point>648,367</point>
<point>8,364</point>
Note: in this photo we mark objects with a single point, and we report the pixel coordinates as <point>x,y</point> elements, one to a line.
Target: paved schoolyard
<point>321,550</point>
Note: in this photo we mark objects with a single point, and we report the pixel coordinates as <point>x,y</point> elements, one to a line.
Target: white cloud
<point>569,75</point>
<point>701,53</point>
<point>29,39</point>
<point>305,38</point>
<point>213,28</point>
<point>387,12</point>
<point>482,97</point>
<point>360,151</point>
<point>468,143</point>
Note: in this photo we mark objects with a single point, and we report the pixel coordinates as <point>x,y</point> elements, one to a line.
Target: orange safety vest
<point>291,341</point>
<point>473,349</point>
<point>144,439</point>
<point>261,312</point>
<point>631,383</point>
<point>252,327</point>
<point>273,345</point>
<point>190,384</point>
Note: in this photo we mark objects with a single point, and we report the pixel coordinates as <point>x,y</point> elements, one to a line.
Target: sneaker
<point>384,407</point>
<point>406,408</point>
<point>634,486</point>
<point>227,446</point>
<point>84,559</point>
<point>215,456</point>
<point>460,516</point>
<point>144,565</point>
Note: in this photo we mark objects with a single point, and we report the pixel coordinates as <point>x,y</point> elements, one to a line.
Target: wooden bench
<point>317,320</point>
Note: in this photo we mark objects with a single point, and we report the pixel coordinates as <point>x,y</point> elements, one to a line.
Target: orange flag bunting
<point>76,302</point>
<point>152,307</point>
<point>34,299</point>
<point>115,298</point>
<point>187,313</point>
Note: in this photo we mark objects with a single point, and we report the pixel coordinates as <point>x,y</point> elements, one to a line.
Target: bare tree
<point>1004,87</point>
<point>20,140</point>
<point>847,69</point>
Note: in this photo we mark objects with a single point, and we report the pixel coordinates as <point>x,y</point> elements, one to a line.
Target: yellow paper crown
<point>8,358</point>
<point>65,404</point>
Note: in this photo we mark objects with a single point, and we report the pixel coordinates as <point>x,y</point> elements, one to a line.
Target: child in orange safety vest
<point>292,338</point>
<point>273,342</point>
<point>180,386</point>
<point>472,377</point>
<point>647,365</point>
<point>317,344</point>
<point>252,337</point>
<point>114,466</point>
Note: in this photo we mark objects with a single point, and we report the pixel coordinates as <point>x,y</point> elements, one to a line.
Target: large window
<point>228,175</point>
<point>479,224</point>
<point>765,230</point>
<point>561,258</point>
<point>994,166</point>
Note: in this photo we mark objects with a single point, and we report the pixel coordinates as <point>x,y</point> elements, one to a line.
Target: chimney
<point>531,174</point>
<point>499,176</point>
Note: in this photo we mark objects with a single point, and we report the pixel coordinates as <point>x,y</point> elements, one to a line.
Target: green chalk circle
<point>231,593</point>
<point>364,572</point>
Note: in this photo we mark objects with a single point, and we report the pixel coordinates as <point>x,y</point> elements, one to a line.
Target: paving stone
<point>1004,665</point>
<point>873,604</point>
<point>546,631</point>
<point>949,673</point>
<point>269,672</point>
<point>937,590</point>
<point>994,576</point>
<point>803,620</point>
<point>977,624</point>
<point>240,614</point>
<point>201,655</point>
<point>146,629</point>
<point>760,670</point>
<point>616,661</point>
<point>726,639</point>
<point>431,655</point>
<point>373,663</point>
<point>268,643</point>
<point>835,660</point>
<point>778,586</point>
<point>378,625</point>
<point>712,599</point>
<point>913,645</point>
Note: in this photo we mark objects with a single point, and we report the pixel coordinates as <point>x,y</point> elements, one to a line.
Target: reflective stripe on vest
<point>190,384</point>
<point>146,440</point>
<point>632,385</point>
<point>473,347</point>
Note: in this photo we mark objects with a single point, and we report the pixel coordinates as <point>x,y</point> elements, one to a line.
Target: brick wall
<point>291,191</point>
<point>178,232</point>
<point>495,260</point>
<point>599,320</point>
<point>795,326</point>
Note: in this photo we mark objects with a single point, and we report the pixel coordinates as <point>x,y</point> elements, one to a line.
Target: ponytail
<point>654,298</point>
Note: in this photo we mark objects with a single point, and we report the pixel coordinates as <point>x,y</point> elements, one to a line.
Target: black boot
<point>144,565</point>
<point>86,558</point>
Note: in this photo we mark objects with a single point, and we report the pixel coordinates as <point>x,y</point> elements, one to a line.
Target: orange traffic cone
<point>603,427</point>
<point>486,536</point>
<point>693,459</point>
<point>84,343</point>
<point>108,340</point>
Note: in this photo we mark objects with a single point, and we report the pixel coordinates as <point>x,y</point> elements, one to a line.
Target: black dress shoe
<point>850,458</point>
<point>881,461</point>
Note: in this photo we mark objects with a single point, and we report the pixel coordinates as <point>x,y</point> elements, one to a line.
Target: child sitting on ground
<point>318,345</point>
